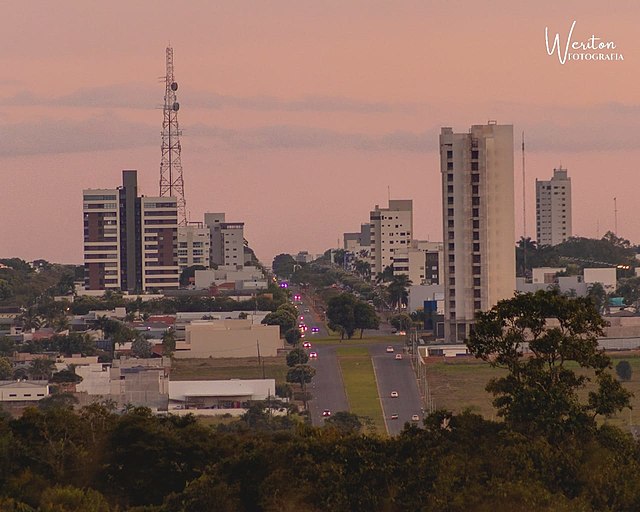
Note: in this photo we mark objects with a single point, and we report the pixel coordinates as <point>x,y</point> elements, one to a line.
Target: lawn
<point>229,368</point>
<point>459,383</point>
<point>355,341</point>
<point>360,385</point>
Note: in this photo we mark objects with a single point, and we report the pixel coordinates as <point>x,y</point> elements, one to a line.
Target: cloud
<point>142,96</point>
<point>304,137</point>
<point>52,136</point>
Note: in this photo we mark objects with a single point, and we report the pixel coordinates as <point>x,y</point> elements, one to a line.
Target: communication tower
<point>171,180</point>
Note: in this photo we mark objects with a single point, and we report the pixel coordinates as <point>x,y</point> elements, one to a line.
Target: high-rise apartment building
<point>553,209</point>
<point>194,246</point>
<point>478,222</point>
<point>391,229</point>
<point>129,241</point>
<point>227,240</point>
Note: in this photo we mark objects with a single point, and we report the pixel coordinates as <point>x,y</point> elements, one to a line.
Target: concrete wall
<point>230,338</point>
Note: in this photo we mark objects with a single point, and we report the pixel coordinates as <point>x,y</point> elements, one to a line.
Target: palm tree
<point>30,319</point>
<point>398,290</point>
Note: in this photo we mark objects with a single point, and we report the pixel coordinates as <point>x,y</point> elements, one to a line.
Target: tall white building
<point>391,229</point>
<point>159,229</point>
<point>227,240</point>
<point>478,222</point>
<point>553,209</point>
<point>421,260</point>
<point>194,245</point>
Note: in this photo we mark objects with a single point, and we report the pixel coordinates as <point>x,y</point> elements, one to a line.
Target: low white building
<point>252,276</point>
<point>219,394</point>
<point>23,390</point>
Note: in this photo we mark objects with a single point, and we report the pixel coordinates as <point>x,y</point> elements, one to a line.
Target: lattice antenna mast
<point>171,180</point>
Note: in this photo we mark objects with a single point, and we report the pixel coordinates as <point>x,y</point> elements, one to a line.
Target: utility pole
<point>524,213</point>
<point>615,216</point>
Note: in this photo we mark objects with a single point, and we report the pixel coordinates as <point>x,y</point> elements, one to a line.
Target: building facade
<point>358,242</point>
<point>130,242</point>
<point>421,260</point>
<point>553,209</point>
<point>478,223</point>
<point>194,246</point>
<point>227,240</point>
<point>391,229</point>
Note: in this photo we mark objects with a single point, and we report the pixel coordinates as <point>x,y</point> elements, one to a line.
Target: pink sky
<point>296,116</point>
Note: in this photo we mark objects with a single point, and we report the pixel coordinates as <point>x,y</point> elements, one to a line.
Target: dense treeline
<point>98,460</point>
<point>21,284</point>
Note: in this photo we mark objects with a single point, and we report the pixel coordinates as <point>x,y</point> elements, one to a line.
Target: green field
<point>459,384</point>
<point>229,368</point>
<point>360,385</point>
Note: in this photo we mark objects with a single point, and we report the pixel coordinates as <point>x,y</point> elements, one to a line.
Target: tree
<point>385,276</point>
<point>41,368</point>
<point>365,317</point>
<point>401,322</point>
<point>301,374</point>
<point>540,392</point>
<point>398,291</point>
<point>169,342</point>
<point>141,347</point>
<point>598,295</point>
<point>72,499</point>
<point>345,422</point>
<point>282,318</point>
<point>293,336</point>
<point>7,346</point>
<point>341,314</point>
<point>362,268</point>
<point>297,356</point>
<point>283,265</point>
<point>66,376</point>
<point>624,370</point>
<point>6,369</point>
<point>30,319</point>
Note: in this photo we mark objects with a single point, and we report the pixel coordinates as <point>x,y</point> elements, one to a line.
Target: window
<point>476,271</point>
<point>452,247</point>
<point>452,303</point>
<point>475,201</point>
<point>474,154</point>
<point>449,154</point>
<point>450,212</point>
<point>476,281</point>
<point>475,212</point>
<point>449,177</point>
<point>474,166</point>
<point>476,258</point>
<point>476,235</point>
<point>449,166</point>
<point>477,304</point>
<point>449,189</point>
<point>476,224</point>
<point>452,269</point>
<point>449,200</point>
<point>450,223</point>
<point>475,189</point>
<point>475,178</point>
<point>476,247</point>
<point>476,294</point>
<point>452,281</point>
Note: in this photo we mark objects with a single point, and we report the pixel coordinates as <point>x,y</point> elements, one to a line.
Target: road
<point>396,375</point>
<point>327,387</point>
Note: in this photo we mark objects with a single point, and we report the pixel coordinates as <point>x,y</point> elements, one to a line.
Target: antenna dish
<point>174,86</point>
<point>176,106</point>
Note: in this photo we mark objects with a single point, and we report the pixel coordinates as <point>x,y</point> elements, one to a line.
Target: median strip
<point>360,385</point>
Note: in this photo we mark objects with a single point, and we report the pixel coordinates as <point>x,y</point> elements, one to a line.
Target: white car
<point>394,394</point>
<point>415,417</point>
<point>306,344</point>
<point>398,356</point>
<point>389,349</point>
<point>313,355</point>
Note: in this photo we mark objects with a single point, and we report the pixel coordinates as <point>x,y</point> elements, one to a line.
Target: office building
<point>194,246</point>
<point>478,223</point>
<point>391,229</point>
<point>553,209</point>
<point>227,240</point>
<point>129,240</point>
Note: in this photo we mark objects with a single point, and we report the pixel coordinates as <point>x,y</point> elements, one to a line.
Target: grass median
<point>360,385</point>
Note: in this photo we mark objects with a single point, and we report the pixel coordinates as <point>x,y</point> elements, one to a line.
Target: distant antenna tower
<point>171,180</point>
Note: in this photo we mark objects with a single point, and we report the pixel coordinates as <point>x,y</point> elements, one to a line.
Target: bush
<point>624,370</point>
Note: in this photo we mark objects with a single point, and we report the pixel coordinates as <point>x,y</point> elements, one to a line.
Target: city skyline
<point>297,117</point>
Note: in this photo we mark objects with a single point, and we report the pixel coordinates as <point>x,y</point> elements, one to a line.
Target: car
<point>307,310</point>
<point>394,394</point>
<point>398,356</point>
<point>389,349</point>
<point>400,333</point>
<point>301,318</point>
<point>315,330</point>
<point>415,417</point>
<point>326,413</point>
<point>394,416</point>
<point>306,344</point>
<point>313,355</point>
